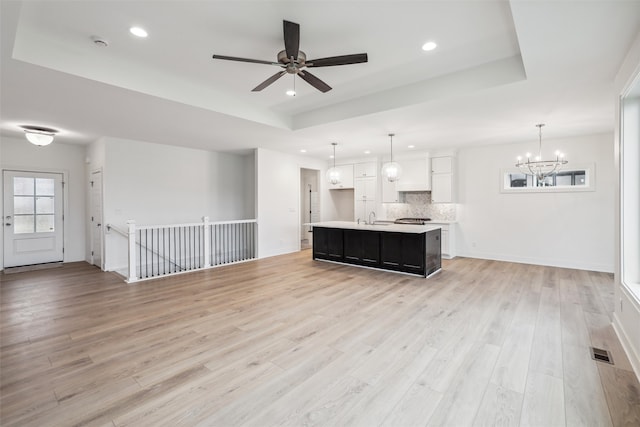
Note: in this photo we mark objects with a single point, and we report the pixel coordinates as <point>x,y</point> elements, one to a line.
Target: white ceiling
<point>500,68</point>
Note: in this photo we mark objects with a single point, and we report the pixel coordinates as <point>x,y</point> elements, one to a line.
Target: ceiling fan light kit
<point>294,61</point>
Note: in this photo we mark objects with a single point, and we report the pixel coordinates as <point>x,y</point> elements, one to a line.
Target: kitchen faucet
<point>374,217</point>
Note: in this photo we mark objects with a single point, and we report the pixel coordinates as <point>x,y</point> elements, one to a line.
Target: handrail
<point>117,230</point>
<point>194,224</point>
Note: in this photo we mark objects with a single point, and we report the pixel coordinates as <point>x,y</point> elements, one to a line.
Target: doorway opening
<point>95,212</point>
<point>309,205</point>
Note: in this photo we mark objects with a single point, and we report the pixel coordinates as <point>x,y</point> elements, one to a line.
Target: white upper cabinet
<point>442,164</point>
<point>346,178</point>
<point>415,175</point>
<point>443,180</point>
<point>365,170</point>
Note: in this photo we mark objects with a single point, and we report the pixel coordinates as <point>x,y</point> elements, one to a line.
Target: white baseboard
<point>604,268</point>
<point>632,355</point>
<point>626,324</point>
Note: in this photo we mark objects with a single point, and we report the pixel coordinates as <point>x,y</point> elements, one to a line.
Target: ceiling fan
<point>294,61</point>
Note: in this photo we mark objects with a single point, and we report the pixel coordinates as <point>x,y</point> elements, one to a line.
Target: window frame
<point>590,178</point>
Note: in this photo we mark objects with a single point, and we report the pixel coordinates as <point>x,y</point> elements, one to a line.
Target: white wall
<point>568,229</point>
<point>18,153</point>
<point>161,184</point>
<point>278,200</point>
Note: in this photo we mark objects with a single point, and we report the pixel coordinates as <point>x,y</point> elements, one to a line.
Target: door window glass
<point>33,205</point>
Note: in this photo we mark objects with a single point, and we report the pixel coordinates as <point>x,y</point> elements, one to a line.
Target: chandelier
<point>538,167</point>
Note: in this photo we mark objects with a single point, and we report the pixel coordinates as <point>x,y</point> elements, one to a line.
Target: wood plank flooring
<point>287,341</point>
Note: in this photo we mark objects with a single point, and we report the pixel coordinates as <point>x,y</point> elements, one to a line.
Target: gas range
<point>414,221</point>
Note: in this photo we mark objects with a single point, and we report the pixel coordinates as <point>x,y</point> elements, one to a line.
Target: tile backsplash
<point>418,205</point>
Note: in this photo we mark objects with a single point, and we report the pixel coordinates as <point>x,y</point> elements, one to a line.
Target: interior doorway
<point>96,218</point>
<point>309,205</point>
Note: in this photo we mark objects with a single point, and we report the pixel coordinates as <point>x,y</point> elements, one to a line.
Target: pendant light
<point>391,170</point>
<point>333,174</point>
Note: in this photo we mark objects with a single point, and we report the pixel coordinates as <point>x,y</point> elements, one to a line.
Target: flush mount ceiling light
<point>138,32</point>
<point>38,135</point>
<point>538,167</point>
<point>429,46</point>
<point>391,170</point>
<point>333,174</point>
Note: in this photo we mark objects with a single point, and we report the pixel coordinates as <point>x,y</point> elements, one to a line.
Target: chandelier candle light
<point>391,170</point>
<point>333,174</point>
<point>538,167</point>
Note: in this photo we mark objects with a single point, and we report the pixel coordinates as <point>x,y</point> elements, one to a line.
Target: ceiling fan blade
<point>255,61</point>
<point>267,82</point>
<point>291,39</point>
<point>357,58</point>
<point>314,81</point>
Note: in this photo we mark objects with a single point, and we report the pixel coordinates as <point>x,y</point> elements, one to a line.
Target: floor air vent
<point>601,355</point>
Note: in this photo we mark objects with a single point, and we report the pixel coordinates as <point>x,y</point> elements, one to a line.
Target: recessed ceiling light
<point>429,46</point>
<point>138,32</point>
<point>291,92</point>
<point>303,151</point>
<point>411,146</point>
<point>331,156</point>
<point>367,151</point>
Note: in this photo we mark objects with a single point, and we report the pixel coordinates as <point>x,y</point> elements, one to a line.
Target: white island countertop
<point>388,227</point>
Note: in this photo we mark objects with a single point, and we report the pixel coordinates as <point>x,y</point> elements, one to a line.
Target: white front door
<point>96,218</point>
<point>32,218</point>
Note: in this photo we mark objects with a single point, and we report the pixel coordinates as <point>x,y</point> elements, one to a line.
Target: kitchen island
<point>411,249</point>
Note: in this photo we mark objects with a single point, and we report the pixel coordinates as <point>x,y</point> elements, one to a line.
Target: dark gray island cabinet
<point>409,249</point>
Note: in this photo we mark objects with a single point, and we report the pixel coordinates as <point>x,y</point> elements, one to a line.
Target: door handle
<point>98,225</point>
<point>7,224</point>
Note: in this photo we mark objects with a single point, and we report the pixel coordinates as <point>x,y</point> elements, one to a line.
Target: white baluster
<point>207,243</point>
<point>132,276</point>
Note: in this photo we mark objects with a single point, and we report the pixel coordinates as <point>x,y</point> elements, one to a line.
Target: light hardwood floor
<point>290,341</point>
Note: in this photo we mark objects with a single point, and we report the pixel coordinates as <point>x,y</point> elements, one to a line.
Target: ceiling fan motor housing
<point>293,67</point>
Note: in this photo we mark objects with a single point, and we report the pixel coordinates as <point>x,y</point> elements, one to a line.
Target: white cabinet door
<point>442,180</point>
<point>346,178</point>
<point>365,188</point>
<point>364,170</point>
<point>441,188</point>
<point>445,243</point>
<point>415,175</point>
<point>389,192</point>
<point>442,165</point>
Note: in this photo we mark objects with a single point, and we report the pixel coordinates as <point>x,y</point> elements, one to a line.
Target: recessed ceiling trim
<point>485,76</point>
